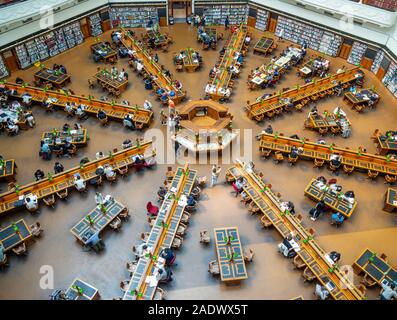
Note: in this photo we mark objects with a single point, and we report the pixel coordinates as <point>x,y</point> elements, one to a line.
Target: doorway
<point>179,9</point>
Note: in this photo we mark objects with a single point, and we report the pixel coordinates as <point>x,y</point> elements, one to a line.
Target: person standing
<point>163,117</point>
<point>216,170</point>
<point>227,23</point>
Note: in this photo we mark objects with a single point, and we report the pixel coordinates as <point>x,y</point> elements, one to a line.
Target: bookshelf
<point>330,44</point>
<point>60,40</point>
<point>3,69</point>
<point>32,50</point>
<point>133,17</point>
<point>95,25</point>
<point>23,56</point>
<point>390,79</point>
<point>216,14</point>
<point>377,61</point>
<point>262,18</point>
<point>51,43</point>
<point>357,53</point>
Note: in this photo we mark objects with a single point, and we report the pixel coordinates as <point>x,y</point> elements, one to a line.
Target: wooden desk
<point>375,267</point>
<point>360,99</point>
<point>212,33</point>
<point>235,44</point>
<point>386,146</point>
<point>310,252</point>
<point>8,171</point>
<point>323,123</point>
<point>80,290</point>
<point>96,221</point>
<point>43,188</point>
<point>365,162</point>
<point>59,137</point>
<point>309,68</point>
<point>332,201</point>
<point>230,254</point>
<point>302,94</point>
<point>10,237</point>
<point>263,45</point>
<point>104,51</point>
<point>58,80</point>
<point>151,67</point>
<point>390,197</point>
<point>140,115</point>
<point>109,82</point>
<point>160,40</point>
<point>162,234</point>
<point>189,63</point>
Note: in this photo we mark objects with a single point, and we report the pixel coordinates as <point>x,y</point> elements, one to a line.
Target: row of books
<point>262,17</point>
<point>357,52</point>
<point>390,78</point>
<point>49,45</point>
<point>377,61</point>
<point>315,38</point>
<point>133,17</point>
<point>216,14</point>
<point>95,25</point>
<point>3,69</point>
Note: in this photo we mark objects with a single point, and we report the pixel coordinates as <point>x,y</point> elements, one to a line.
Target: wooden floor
<point>271,276</point>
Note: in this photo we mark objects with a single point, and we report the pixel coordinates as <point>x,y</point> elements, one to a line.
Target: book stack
<point>377,61</point>
<point>216,14</point>
<point>132,17</point>
<point>262,18</point>
<point>390,78</point>
<point>357,53</point>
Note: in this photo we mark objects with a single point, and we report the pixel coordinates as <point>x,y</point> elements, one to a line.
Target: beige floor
<point>270,275</point>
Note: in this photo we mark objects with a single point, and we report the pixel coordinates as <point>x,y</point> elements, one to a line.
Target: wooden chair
<point>169,174</point>
<point>185,217</point>
<point>375,135</point>
<point>131,267</point>
<point>266,223</point>
<point>372,174</point>
<point>308,275</point>
<point>291,160</point>
<point>62,194</point>
<point>213,267</point>
<point>145,236</point>
<point>125,214</point>
<point>151,221</point>
<point>335,130</point>
<point>123,171</point>
<point>383,257</point>
<point>115,224</point>
<point>253,208</point>
<point>180,231</point>
<point>312,232</point>
<point>322,131</point>
<point>278,157</point>
<point>205,237</point>
<point>91,83</point>
<point>348,169</point>
<point>159,294</point>
<point>124,285</point>
<point>265,152</point>
<point>390,179</point>
<point>50,200</point>
<point>332,167</point>
<point>177,243</point>
<point>368,281</point>
<point>36,229</point>
<point>362,289</point>
<point>112,179</point>
<point>249,256</point>
<point>73,150</point>
<point>298,262</point>
<point>20,250</point>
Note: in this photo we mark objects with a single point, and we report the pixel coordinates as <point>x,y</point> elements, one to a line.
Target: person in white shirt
<point>139,66</point>
<point>247,40</point>
<point>26,99</point>
<point>109,172</point>
<point>147,105</point>
<point>321,292</point>
<point>99,155</point>
<point>31,203</point>
<point>79,183</point>
<point>99,198</point>
<point>388,292</point>
<point>30,119</point>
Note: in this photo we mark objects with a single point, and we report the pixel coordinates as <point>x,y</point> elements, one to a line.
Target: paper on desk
<point>151,280</point>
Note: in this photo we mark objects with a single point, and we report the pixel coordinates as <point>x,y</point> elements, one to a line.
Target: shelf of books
<point>95,25</point>
<point>315,38</point>
<point>357,53</point>
<point>262,18</point>
<point>377,61</point>
<point>3,69</point>
<point>133,17</point>
<point>48,45</point>
<point>390,78</point>
<point>216,14</point>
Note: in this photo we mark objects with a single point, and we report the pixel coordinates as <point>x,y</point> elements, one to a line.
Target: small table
<point>96,221</point>
<point>10,237</point>
<point>331,200</point>
<point>189,62</point>
<point>109,82</point>
<point>80,290</point>
<point>160,39</point>
<point>305,71</point>
<point>8,170</point>
<point>263,45</point>
<point>230,254</point>
<point>376,268</point>
<point>390,200</point>
<point>56,78</point>
<point>386,146</point>
<point>359,98</point>
<point>75,137</point>
<point>104,51</point>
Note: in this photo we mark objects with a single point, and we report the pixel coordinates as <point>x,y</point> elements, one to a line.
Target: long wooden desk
<point>222,79</point>
<point>310,68</point>
<point>11,200</point>
<point>375,267</point>
<point>14,234</point>
<point>390,200</point>
<point>323,123</point>
<point>189,62</point>
<point>104,51</point>
<point>307,92</point>
<point>332,201</point>
<point>263,45</point>
<point>360,99</point>
<point>80,290</point>
<point>365,162</point>
<point>160,40</point>
<point>339,286</point>
<point>8,170</point>
<point>109,82</point>
<point>58,80</point>
<point>229,254</point>
<point>151,67</point>
<point>92,106</point>
<point>96,221</point>
<point>162,234</point>
<point>59,137</point>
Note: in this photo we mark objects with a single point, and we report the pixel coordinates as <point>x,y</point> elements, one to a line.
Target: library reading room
<point>198,150</point>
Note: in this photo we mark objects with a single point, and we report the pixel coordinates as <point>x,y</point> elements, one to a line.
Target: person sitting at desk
<point>320,182</point>
<point>101,115</point>
<point>388,292</point>
<point>313,112</point>
<point>109,172</point>
<point>338,89</point>
<point>190,201</point>
<point>317,210</point>
<point>80,113</point>
<point>67,147</point>
<point>99,155</point>
<point>139,66</point>
<point>63,69</point>
<point>123,75</point>
<point>334,188</point>
<point>164,274</point>
<point>95,242</point>
<point>69,109</point>
<point>58,167</point>
<point>12,127</point>
<point>337,218</point>
<point>294,152</point>
<point>66,127</point>
<point>288,205</point>
<point>39,174</point>
<point>240,59</point>
<point>247,40</point>
<point>128,123</point>
<point>269,129</point>
<point>334,256</point>
<point>240,184</point>
<point>45,151</point>
<point>99,198</point>
<point>31,203</point>
<point>349,197</point>
<point>126,144</point>
<point>78,127</point>
<point>147,105</point>
<point>141,250</point>
<point>79,183</point>
<point>3,257</point>
<point>336,160</point>
<point>321,292</point>
<point>26,100</point>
